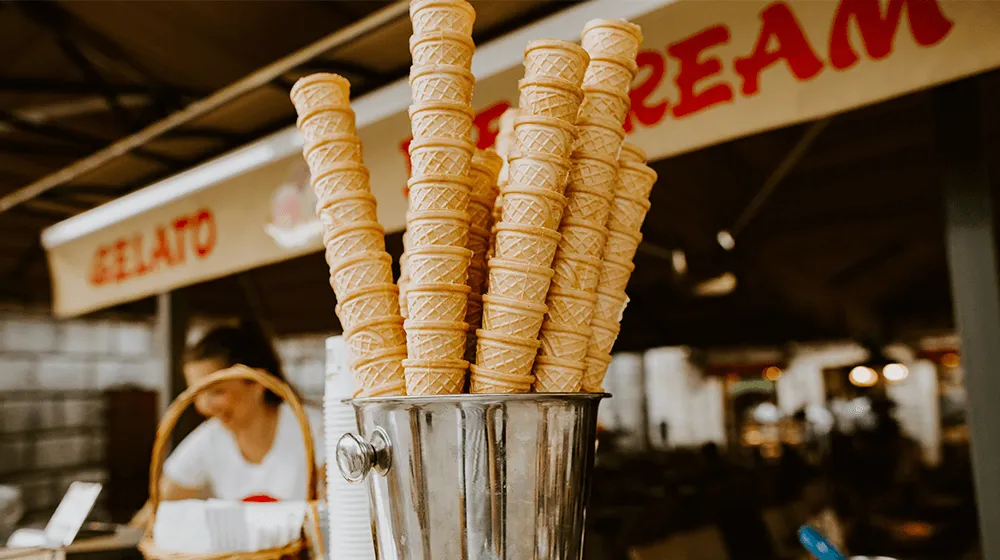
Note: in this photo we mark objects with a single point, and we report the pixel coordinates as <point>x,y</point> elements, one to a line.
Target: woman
<point>251,447</point>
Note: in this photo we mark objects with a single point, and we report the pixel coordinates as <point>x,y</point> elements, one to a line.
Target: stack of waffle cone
<point>485,168</point>
<point>505,139</point>
<point>404,276</point>
<point>631,202</point>
<point>360,267</point>
<point>439,236</point>
<point>573,297</point>
<point>527,233</point>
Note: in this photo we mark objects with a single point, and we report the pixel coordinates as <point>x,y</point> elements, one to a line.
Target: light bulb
<point>725,240</point>
<point>895,372</point>
<point>863,376</point>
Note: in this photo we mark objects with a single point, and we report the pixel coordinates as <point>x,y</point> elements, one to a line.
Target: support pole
<point>171,333</point>
<point>970,238</point>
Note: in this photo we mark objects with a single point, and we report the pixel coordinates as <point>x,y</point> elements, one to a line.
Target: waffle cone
<point>572,308</point>
<point>635,180</point>
<point>565,342</point>
<point>553,375</point>
<point>484,381</point>
<point>320,91</point>
<point>615,275</point>
<point>479,243</point>
<point>622,245</point>
<point>369,337</point>
<point>435,16</point>
<point>359,270</point>
<point>369,302</point>
<point>512,317</point>
<point>474,311</point>
<point>441,119</point>
<point>586,204</point>
<point>440,82</point>
<point>438,193</point>
<point>605,333</point>
<point>599,138</point>
<point>437,302</point>
<point>480,215</point>
<point>632,154</point>
<point>526,244</point>
<point>337,209</point>
<point>538,171</point>
<point>442,47</point>
<point>607,37</point>
<point>530,206</point>
<point>546,58</point>
<point>435,377</point>
<point>435,340</point>
<point>593,177</point>
<point>576,272</point>
<point>477,277</point>
<point>603,102</point>
<point>543,135</point>
<point>352,239</point>
<point>597,367</point>
<point>432,265</point>
<point>509,354</point>
<point>320,124</point>
<point>380,373</point>
<point>486,166</point>
<point>470,347</point>
<point>449,228</point>
<point>515,280</point>
<point>440,157</point>
<point>610,305</point>
<point>344,177</point>
<point>332,152</point>
<point>550,97</point>
<point>583,238</point>
<point>627,214</point>
<point>612,72</point>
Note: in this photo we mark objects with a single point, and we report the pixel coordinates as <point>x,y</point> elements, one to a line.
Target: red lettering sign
<point>693,70</point>
<point>927,23</point>
<point>778,25</point>
<point>127,257</point>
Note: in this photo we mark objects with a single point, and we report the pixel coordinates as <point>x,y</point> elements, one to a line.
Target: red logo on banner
<point>260,499</point>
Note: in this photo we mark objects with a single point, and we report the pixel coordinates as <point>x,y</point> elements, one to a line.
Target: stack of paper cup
<point>485,168</point>
<point>527,234</point>
<point>360,267</point>
<point>612,47</point>
<point>631,202</point>
<point>438,222</point>
<point>348,512</point>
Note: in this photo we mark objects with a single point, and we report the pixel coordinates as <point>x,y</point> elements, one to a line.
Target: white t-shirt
<point>210,458</point>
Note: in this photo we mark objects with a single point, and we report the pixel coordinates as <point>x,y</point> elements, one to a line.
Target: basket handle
<point>184,400</point>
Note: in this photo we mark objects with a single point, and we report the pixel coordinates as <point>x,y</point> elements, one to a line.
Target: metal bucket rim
<point>470,398</point>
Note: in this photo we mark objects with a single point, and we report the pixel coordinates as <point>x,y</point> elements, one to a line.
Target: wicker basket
<point>296,549</point>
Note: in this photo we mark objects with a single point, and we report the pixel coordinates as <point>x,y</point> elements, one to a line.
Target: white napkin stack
<point>347,503</point>
<point>214,526</point>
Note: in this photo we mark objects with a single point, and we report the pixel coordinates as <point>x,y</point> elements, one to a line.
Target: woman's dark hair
<point>245,344</point>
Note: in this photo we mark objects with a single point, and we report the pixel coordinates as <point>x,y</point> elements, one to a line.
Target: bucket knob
<point>356,457</point>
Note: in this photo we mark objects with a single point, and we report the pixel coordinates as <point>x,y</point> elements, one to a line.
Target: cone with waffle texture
<point>435,16</point>
<point>442,47</point>
<point>555,375</point>
<point>612,38</point>
<point>546,59</point>
<point>321,91</point>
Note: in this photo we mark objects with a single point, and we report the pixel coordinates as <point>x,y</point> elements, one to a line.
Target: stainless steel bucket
<point>475,477</point>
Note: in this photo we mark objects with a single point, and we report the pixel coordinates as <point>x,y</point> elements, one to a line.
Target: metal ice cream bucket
<point>475,477</point>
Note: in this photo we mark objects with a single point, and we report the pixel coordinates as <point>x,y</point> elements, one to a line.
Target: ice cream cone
<point>320,124</point>
<point>576,272</point>
<point>628,213</point>
<point>477,276</point>
<point>543,135</point>
<point>352,239</point>
<point>486,166</point>
<point>614,274</point>
<point>603,102</point>
<point>359,270</point>
<point>442,119</point>
<point>368,337</point>
<point>440,157</point>
<point>526,244</point>
<point>599,138</point>
<point>380,373</point>
<point>368,302</point>
<point>587,204</point>
<point>573,308</point>
<point>622,245</point>
<point>550,97</point>
<point>518,281</point>
<point>546,58</point>
<point>564,341</point>
<point>435,340</point>
<point>438,227</point>
<point>607,37</point>
<point>437,302</point>
<point>441,82</point>
<point>512,317</point>
<point>430,265</point>
<point>485,381</point>
<point>343,177</point>
<point>478,243</point>
<point>611,72</point>
<point>635,180</point>
<point>339,209</point>
<point>429,16</point>
<point>480,215</point>
<point>610,305</point>
<point>632,154</point>
<point>442,47</point>
<point>391,389</point>
<point>539,171</point>
<point>331,151</point>
<point>595,173</point>
<point>597,367</point>
<point>531,206</point>
<point>320,91</point>
<point>438,192</point>
<point>474,311</point>
<point>553,375</point>
<point>605,333</point>
<point>504,353</point>
<point>583,238</point>
<point>435,377</point>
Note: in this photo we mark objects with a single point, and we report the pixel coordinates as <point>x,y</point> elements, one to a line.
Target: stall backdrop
<point>707,75</point>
